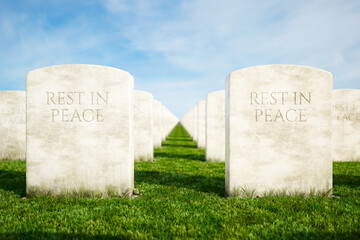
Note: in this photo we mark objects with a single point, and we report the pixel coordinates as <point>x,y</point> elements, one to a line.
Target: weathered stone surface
<point>201,124</point>
<point>80,129</point>
<point>143,126</point>
<point>12,125</point>
<point>278,130</point>
<point>186,122</point>
<point>215,126</point>
<point>195,122</point>
<point>346,125</point>
<point>189,122</point>
<point>164,130</point>
<point>157,124</point>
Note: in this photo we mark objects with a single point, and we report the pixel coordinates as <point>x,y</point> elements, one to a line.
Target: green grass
<point>182,197</point>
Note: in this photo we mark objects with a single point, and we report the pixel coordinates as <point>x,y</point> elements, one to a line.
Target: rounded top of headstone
<point>143,94</point>
<point>282,75</point>
<point>75,68</point>
<point>346,90</point>
<point>13,96</point>
<point>78,66</point>
<point>279,67</point>
<point>13,92</point>
<point>216,93</point>
<point>346,95</point>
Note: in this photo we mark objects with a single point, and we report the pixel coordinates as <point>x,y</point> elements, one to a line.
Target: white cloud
<point>139,7</point>
<point>216,37</point>
<point>212,35</point>
<point>181,50</point>
<point>31,43</point>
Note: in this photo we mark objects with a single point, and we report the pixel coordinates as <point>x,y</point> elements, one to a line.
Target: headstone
<point>186,122</point>
<point>215,126</point>
<point>163,123</point>
<point>190,122</point>
<point>346,125</point>
<point>157,124</point>
<point>143,126</point>
<point>12,125</point>
<point>79,130</point>
<point>201,124</point>
<point>278,131</point>
<point>195,122</point>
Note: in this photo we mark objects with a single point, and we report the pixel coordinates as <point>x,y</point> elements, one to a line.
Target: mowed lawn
<point>182,197</point>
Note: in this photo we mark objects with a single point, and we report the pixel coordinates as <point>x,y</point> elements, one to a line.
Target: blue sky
<point>179,50</point>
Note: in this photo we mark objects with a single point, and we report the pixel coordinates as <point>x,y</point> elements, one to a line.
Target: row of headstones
<point>81,127</point>
<point>151,125</point>
<point>278,128</point>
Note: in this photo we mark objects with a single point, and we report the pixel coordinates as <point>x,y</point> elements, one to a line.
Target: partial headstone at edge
<point>346,125</point>
<point>195,123</point>
<point>157,118</point>
<point>12,125</point>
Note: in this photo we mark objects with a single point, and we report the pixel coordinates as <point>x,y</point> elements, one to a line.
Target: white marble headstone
<point>278,130</point>
<point>12,125</point>
<point>346,125</point>
<point>79,129</point>
<point>157,124</point>
<point>163,123</point>
<point>201,124</point>
<point>215,126</point>
<point>195,123</point>
<point>143,126</point>
<point>190,122</point>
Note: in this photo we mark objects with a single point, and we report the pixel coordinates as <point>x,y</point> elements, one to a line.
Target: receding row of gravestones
<point>273,125</point>
<point>278,128</point>
<point>83,128</point>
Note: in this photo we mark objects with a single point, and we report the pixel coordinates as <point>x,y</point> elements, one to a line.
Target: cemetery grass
<point>182,197</point>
